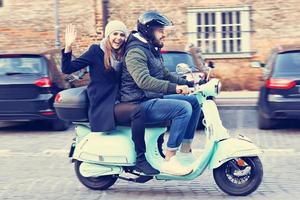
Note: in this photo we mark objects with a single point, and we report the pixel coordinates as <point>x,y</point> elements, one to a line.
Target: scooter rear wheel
<point>95,183</point>
<point>239,177</point>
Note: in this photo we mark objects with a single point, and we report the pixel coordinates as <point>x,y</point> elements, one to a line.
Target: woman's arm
<point>83,61</point>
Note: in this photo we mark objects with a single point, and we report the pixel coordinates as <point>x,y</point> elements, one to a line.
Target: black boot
<point>143,166</point>
<point>160,142</point>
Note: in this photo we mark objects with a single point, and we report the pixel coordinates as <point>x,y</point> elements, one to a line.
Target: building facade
<point>232,33</point>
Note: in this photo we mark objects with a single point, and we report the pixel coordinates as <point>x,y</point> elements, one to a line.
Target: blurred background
<point>254,45</point>
<point>232,33</point>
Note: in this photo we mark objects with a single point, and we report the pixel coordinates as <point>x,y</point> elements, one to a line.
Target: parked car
<point>29,82</point>
<point>173,58</point>
<point>279,96</point>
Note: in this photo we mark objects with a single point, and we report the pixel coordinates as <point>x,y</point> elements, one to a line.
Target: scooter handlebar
<point>211,88</point>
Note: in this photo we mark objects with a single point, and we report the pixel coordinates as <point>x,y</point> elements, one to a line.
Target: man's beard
<point>157,43</point>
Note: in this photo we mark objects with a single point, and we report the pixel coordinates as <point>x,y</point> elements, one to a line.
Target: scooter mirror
<point>182,69</point>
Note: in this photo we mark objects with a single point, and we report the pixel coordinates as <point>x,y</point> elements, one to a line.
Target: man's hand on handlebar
<point>183,89</point>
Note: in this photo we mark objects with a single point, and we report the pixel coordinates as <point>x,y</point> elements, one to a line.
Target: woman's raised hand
<point>70,37</point>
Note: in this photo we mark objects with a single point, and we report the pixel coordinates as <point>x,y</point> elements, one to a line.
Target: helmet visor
<point>154,19</point>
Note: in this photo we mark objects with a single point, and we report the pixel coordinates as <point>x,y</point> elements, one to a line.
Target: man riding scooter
<point>145,81</point>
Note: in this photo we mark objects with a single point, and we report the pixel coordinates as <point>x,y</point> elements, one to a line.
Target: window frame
<point>244,31</point>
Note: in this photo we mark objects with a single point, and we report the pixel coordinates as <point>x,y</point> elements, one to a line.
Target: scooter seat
<point>150,125</point>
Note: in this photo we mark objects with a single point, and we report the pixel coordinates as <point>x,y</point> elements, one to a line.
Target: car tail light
<point>58,98</point>
<point>49,113</point>
<point>43,82</point>
<point>163,51</point>
<point>280,83</point>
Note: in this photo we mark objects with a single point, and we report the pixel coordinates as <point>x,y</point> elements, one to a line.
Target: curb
<point>237,100</point>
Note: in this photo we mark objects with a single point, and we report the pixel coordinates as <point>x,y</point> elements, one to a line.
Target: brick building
<point>232,33</point>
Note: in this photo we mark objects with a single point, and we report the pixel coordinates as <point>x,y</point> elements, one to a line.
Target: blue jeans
<point>183,111</point>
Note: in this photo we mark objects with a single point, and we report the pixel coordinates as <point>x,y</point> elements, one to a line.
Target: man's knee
<point>186,108</point>
<point>193,101</point>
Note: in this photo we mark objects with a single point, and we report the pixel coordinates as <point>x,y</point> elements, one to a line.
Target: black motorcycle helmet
<point>150,20</point>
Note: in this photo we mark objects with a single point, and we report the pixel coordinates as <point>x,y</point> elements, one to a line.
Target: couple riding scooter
<point>101,157</point>
<point>145,80</point>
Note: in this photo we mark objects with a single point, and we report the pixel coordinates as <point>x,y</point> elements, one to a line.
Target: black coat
<point>103,87</point>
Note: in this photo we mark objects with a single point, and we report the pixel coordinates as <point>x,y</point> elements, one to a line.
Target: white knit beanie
<point>115,25</point>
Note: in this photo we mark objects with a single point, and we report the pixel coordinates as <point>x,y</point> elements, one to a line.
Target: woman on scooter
<point>104,67</point>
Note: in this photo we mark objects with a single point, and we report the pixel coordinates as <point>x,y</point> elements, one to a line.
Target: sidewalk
<point>237,99</point>
<point>238,109</point>
<point>238,94</point>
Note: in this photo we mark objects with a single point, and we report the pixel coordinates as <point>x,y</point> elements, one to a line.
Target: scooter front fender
<point>232,148</point>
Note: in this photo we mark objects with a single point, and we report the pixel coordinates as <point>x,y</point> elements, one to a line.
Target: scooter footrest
<point>140,179</point>
<point>143,179</point>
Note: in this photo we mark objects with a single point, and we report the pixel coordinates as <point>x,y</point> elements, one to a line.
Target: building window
<point>220,32</point>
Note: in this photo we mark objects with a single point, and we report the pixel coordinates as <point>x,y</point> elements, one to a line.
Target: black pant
<point>133,115</point>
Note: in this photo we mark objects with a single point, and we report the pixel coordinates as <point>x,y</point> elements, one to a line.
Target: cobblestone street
<point>35,166</point>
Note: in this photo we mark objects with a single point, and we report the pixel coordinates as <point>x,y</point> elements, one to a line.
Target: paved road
<point>34,165</point>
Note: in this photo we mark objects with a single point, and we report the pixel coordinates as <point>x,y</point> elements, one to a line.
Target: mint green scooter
<point>101,158</point>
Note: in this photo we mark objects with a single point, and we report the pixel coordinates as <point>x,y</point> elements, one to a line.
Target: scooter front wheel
<point>239,177</point>
<point>95,183</point>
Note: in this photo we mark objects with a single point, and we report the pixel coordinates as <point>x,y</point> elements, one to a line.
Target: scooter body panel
<point>198,166</point>
<point>215,132</point>
<point>112,148</point>
<point>152,153</point>
<point>116,147</point>
<point>232,148</point>
<point>82,130</point>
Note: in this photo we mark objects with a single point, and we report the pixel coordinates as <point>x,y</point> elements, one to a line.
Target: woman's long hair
<point>108,51</point>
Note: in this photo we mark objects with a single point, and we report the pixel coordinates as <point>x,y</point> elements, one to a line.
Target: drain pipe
<point>105,13</point>
<point>56,26</point>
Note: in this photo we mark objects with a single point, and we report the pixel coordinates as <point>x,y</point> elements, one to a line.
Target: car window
<point>171,59</point>
<point>32,65</point>
<point>270,61</point>
<point>268,67</point>
<point>288,62</point>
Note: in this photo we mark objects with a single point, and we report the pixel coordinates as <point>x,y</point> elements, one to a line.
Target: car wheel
<point>265,123</point>
<point>59,125</point>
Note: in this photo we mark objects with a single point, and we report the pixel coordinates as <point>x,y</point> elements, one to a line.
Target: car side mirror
<point>257,64</point>
<point>211,64</point>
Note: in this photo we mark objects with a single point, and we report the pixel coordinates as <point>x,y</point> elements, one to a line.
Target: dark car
<point>279,96</point>
<point>28,84</point>
<point>173,58</point>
